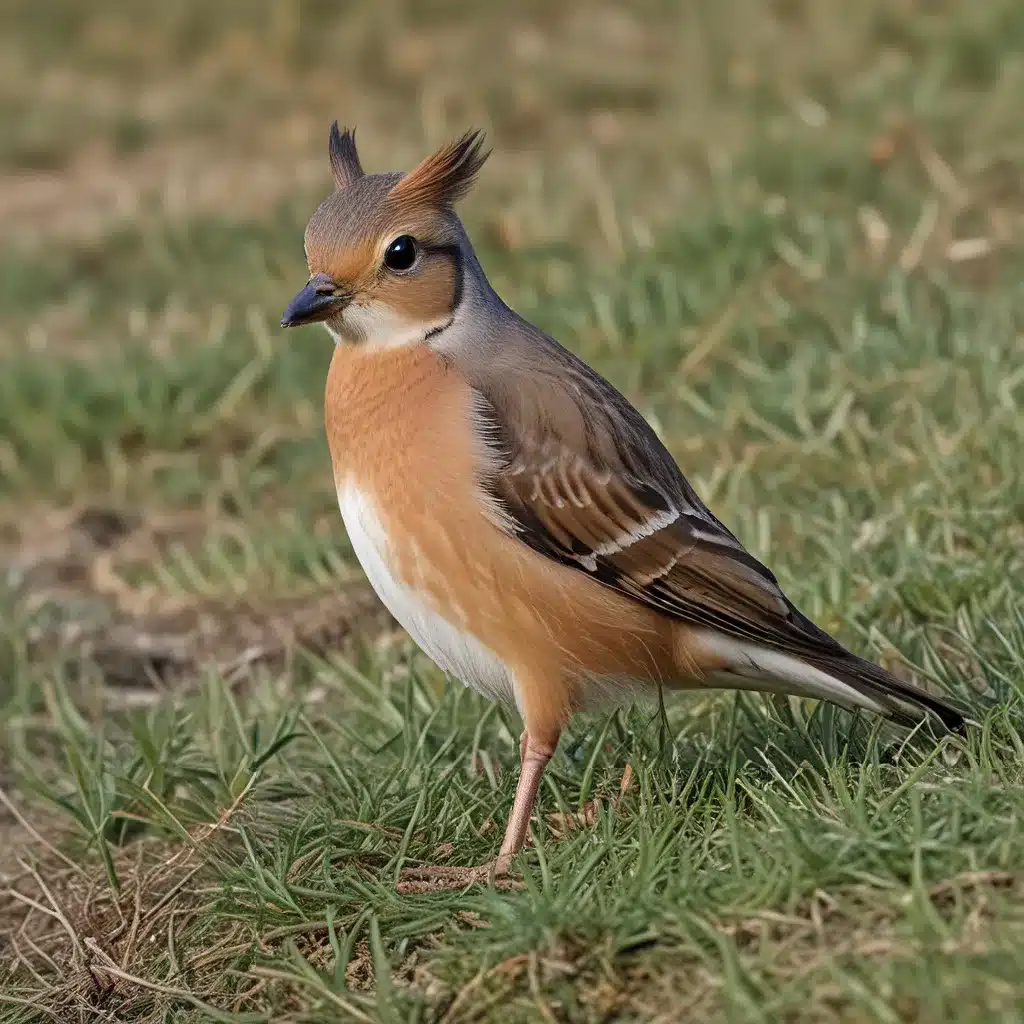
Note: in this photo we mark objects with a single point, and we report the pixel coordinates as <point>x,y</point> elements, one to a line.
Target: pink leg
<point>535,758</point>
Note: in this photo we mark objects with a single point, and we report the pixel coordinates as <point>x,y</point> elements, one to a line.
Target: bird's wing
<point>581,478</point>
<point>576,473</point>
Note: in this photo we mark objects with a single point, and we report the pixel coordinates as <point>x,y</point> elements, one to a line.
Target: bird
<point>519,518</point>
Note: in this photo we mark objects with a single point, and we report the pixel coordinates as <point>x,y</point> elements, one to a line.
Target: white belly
<point>453,650</point>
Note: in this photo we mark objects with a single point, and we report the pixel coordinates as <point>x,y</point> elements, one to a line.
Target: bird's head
<point>386,251</point>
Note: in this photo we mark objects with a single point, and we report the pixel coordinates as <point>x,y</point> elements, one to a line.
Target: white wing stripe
<point>657,522</point>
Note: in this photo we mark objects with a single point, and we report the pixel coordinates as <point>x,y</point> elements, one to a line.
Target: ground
<point>789,231</point>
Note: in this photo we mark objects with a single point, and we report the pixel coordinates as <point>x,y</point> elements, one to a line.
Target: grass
<point>789,232</point>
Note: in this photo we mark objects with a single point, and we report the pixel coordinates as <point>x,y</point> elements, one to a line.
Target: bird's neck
<point>371,393</point>
<point>479,319</point>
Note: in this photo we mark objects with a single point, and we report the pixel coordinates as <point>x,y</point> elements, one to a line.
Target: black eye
<point>401,253</point>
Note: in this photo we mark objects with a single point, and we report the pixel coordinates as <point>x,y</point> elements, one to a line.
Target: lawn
<point>789,231</point>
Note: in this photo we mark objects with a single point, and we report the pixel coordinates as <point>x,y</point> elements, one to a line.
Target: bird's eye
<point>401,253</point>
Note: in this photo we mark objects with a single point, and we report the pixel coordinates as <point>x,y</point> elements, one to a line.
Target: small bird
<point>517,516</point>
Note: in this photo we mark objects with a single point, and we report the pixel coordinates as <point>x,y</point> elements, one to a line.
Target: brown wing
<point>655,547</point>
<point>583,479</point>
<point>574,471</point>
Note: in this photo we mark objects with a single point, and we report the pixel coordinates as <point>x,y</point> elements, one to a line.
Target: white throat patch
<point>380,326</point>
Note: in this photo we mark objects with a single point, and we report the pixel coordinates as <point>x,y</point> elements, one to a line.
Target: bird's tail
<point>830,673</point>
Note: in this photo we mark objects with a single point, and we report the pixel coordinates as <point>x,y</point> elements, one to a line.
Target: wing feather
<point>580,477</point>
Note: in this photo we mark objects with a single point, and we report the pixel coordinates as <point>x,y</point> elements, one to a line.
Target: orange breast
<point>399,428</point>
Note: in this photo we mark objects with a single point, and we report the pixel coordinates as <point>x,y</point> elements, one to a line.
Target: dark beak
<point>314,304</point>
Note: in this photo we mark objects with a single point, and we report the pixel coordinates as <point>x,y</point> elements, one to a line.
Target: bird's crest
<point>345,165</point>
<point>445,177</point>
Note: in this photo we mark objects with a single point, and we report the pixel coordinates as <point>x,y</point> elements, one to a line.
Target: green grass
<point>790,233</point>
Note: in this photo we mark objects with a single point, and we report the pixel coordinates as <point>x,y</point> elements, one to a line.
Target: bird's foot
<point>444,878</point>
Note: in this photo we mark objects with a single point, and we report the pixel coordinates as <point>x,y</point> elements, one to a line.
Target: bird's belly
<point>453,649</point>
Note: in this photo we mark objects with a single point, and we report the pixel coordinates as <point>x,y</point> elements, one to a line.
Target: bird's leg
<point>535,757</point>
<point>535,760</point>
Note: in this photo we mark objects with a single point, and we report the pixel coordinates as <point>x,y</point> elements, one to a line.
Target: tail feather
<point>904,701</point>
<point>833,674</point>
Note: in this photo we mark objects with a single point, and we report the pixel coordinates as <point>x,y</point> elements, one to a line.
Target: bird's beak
<point>315,303</point>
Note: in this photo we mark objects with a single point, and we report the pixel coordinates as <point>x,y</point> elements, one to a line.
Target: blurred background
<point>788,230</point>
<point>675,188</point>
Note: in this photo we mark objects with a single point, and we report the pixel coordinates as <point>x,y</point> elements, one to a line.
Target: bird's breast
<point>419,596</point>
<point>401,447</point>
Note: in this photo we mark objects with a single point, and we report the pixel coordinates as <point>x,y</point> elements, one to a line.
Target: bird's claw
<point>446,878</point>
